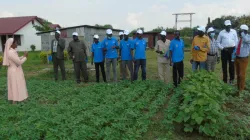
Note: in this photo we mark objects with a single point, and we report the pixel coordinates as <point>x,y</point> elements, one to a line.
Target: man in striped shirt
<point>213,55</point>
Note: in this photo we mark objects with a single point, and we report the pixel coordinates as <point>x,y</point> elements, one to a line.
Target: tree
<point>44,27</point>
<point>244,20</point>
<point>186,32</point>
<point>108,26</point>
<point>158,29</point>
<point>218,23</point>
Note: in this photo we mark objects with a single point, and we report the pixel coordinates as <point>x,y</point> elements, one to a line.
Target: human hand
<point>191,61</point>
<point>197,48</point>
<point>25,54</point>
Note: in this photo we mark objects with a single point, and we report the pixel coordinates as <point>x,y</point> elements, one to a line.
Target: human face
<point>57,35</point>
<point>96,40</point>
<point>14,44</point>
<point>211,34</point>
<point>121,37</point>
<point>200,33</point>
<point>177,34</point>
<point>163,37</point>
<point>139,36</point>
<point>75,38</point>
<point>228,28</point>
<point>126,37</point>
<point>109,36</point>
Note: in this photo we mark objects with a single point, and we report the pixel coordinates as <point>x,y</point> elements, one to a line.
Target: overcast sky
<point>123,14</point>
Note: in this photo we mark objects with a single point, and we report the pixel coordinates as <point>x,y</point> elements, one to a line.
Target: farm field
<point>201,108</point>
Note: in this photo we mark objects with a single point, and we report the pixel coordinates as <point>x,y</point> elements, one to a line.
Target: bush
<point>43,56</point>
<point>1,60</point>
<point>198,104</point>
<point>33,47</point>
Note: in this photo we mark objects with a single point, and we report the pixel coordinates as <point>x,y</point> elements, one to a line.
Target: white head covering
<point>244,27</point>
<point>163,33</point>
<point>8,43</point>
<point>201,28</point>
<point>75,33</point>
<point>121,33</point>
<point>211,29</point>
<point>109,31</point>
<point>58,32</point>
<point>139,31</point>
<point>96,36</point>
<point>227,22</point>
<point>126,32</point>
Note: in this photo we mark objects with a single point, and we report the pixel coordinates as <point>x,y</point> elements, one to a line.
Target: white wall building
<point>21,28</point>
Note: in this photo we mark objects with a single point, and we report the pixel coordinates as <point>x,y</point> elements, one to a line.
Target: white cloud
<point>133,19</point>
<point>6,14</point>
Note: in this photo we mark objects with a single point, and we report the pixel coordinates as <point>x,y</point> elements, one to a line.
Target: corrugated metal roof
<point>79,27</point>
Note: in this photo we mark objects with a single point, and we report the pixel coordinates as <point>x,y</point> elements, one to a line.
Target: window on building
<point>18,39</point>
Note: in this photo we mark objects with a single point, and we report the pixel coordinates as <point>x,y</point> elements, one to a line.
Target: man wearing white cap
<point>140,47</point>
<point>162,47</point>
<point>121,35</point>
<point>227,40</point>
<point>98,57</point>
<point>176,50</point>
<point>126,46</point>
<point>242,53</point>
<point>77,52</point>
<point>199,50</point>
<point>213,55</point>
<point>110,46</point>
<point>57,50</point>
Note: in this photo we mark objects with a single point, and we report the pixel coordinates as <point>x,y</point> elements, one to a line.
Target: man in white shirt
<point>162,47</point>
<point>227,40</point>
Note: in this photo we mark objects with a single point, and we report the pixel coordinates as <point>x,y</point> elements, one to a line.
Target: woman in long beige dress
<point>17,90</point>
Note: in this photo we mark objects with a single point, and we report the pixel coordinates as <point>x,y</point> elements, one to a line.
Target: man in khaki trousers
<point>162,47</point>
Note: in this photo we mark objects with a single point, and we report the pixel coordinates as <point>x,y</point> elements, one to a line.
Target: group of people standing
<point>234,52</point>
<point>132,55</point>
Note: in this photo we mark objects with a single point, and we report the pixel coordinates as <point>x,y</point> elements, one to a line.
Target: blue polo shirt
<point>108,44</point>
<point>98,52</point>
<point>177,48</point>
<point>140,48</point>
<point>126,47</point>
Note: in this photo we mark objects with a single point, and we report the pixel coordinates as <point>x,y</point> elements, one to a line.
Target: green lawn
<point>64,110</point>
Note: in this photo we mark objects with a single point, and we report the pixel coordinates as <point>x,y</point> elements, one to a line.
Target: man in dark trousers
<point>140,47</point>
<point>98,58</point>
<point>227,40</point>
<point>57,50</point>
<point>77,52</point>
<point>176,58</point>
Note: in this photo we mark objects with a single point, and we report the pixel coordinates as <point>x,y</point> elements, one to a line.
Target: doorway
<point>3,40</point>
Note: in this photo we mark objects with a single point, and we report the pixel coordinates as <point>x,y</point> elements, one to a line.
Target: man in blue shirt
<point>176,58</point>
<point>110,46</point>
<point>140,47</point>
<point>126,46</point>
<point>98,56</point>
